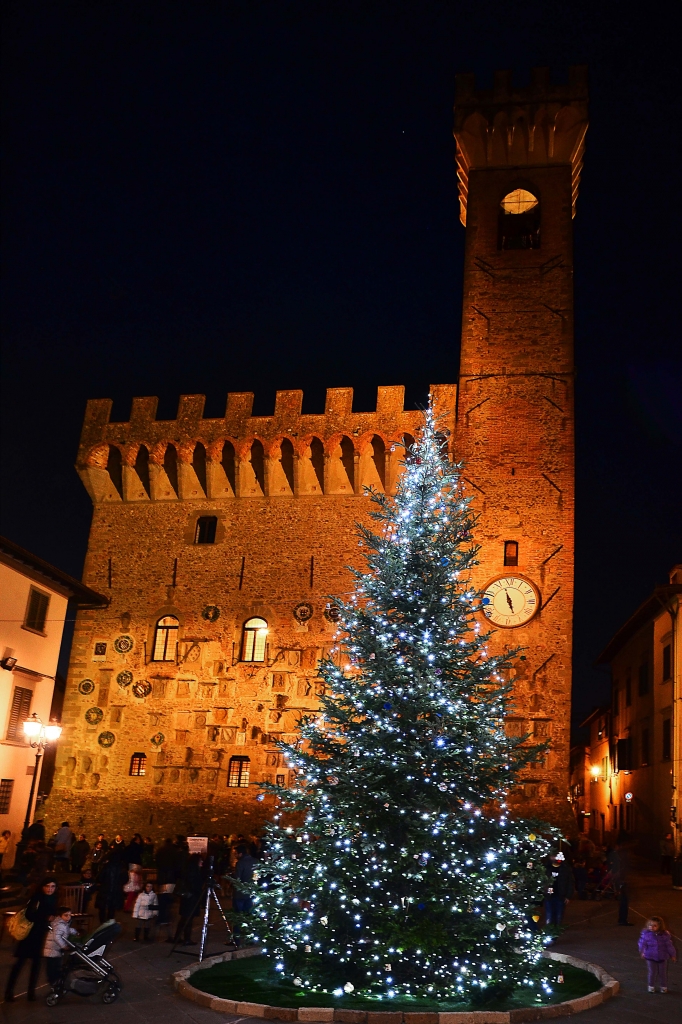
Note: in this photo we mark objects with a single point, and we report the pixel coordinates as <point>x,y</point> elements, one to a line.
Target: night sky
<point>203,197</point>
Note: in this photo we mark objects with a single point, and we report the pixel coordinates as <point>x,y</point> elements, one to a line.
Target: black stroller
<point>85,970</point>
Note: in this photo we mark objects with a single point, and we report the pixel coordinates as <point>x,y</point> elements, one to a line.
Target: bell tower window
<point>518,223</point>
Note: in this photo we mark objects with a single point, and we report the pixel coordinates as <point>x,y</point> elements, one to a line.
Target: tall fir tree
<point>396,869</point>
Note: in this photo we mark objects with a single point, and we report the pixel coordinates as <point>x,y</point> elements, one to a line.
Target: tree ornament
<point>349,987</point>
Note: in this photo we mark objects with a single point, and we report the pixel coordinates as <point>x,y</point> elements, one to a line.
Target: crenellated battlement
<point>241,455</point>
<point>541,125</point>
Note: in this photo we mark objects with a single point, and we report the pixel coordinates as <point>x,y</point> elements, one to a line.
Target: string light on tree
<point>395,868</point>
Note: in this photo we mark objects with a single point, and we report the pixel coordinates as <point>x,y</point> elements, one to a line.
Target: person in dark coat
<point>40,910</point>
<point>110,882</point>
<point>118,850</point>
<point>79,853</point>
<point>191,886</point>
<point>243,872</point>
<point>559,889</point>
<point>167,875</point>
<point>134,851</point>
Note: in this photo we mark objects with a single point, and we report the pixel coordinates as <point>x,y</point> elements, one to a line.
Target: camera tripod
<point>208,893</point>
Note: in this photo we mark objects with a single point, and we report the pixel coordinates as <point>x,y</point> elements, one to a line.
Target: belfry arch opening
<point>518,221</point>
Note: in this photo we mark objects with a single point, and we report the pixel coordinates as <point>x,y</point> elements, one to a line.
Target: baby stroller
<point>85,970</point>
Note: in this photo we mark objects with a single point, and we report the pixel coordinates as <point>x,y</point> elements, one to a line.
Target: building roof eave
<point>19,558</point>
<point>654,604</point>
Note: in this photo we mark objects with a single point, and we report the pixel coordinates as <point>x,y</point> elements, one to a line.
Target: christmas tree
<point>395,867</point>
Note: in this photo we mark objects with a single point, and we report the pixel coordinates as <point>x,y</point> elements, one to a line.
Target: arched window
<point>348,459</point>
<point>138,764</point>
<point>115,468</point>
<point>199,464</point>
<point>317,460</point>
<point>170,464</point>
<point>142,468</point>
<point>287,461</point>
<point>228,461</point>
<point>258,463</point>
<point>166,639</point>
<point>518,224</point>
<point>238,772</point>
<point>379,458</point>
<point>254,637</point>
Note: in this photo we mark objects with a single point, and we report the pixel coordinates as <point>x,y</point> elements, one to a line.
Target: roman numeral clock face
<point>510,601</point>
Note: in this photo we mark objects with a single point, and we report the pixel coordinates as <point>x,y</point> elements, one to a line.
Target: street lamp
<point>39,735</point>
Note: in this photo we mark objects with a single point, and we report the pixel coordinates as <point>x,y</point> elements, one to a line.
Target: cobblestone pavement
<point>592,934</point>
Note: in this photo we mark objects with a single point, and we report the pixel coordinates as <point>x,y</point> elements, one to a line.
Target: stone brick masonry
<point>286,491</point>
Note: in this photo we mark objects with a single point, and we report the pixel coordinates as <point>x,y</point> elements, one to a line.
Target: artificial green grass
<point>254,980</point>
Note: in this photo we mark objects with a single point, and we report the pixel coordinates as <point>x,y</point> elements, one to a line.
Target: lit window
<point>6,787</point>
<point>238,772</point>
<point>166,639</point>
<point>511,552</point>
<point>205,530</point>
<point>519,201</point>
<point>253,640</point>
<point>36,610</point>
<point>138,764</point>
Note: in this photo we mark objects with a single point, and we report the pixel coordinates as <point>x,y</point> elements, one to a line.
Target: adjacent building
<point>636,743</point>
<point>35,598</point>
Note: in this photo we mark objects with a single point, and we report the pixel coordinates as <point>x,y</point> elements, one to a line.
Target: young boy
<point>145,910</point>
<point>55,942</point>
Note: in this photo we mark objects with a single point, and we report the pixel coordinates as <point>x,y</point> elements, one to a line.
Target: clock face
<point>510,601</point>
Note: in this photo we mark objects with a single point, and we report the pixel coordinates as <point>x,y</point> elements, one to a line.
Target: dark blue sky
<point>214,196</point>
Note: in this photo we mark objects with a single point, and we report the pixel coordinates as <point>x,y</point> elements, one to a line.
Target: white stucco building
<point>34,601</point>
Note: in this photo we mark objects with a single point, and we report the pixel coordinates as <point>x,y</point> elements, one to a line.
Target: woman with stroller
<point>41,909</point>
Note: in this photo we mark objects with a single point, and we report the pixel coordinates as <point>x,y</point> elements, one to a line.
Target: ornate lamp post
<point>39,736</point>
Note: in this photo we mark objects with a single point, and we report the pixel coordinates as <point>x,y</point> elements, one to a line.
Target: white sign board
<point>198,844</point>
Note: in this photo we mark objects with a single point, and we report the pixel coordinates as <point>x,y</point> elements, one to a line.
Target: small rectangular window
<point>138,764</point>
<point>6,787</point>
<point>645,747</point>
<point>36,610</point>
<point>628,691</point>
<point>205,530</point>
<point>511,552</point>
<point>667,662</point>
<point>643,679</point>
<point>19,712</point>
<point>280,780</point>
<point>667,737</point>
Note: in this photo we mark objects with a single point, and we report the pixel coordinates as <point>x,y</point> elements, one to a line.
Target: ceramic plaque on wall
<point>124,679</point>
<point>123,644</point>
<point>86,687</point>
<point>142,689</point>
<point>106,739</point>
<point>93,716</point>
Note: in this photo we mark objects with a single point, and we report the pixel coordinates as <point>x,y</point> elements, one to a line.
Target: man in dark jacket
<point>110,882</point>
<point>167,874</point>
<point>79,853</point>
<point>559,889</point>
<point>243,872</point>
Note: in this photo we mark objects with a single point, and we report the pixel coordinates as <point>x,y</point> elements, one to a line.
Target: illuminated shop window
<point>166,639</point>
<point>254,639</point>
<point>238,772</point>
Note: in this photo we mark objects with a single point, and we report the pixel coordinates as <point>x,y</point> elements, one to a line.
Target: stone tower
<point>220,540</point>
<point>519,154</point>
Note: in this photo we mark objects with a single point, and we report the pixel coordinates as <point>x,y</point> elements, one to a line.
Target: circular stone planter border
<point>181,983</point>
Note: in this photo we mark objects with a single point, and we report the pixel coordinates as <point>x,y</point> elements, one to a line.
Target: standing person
<point>166,878</point>
<point>667,848</point>
<point>133,886</point>
<point>88,884</point>
<point>656,947</point>
<point>134,851</point>
<point>148,852</point>
<point>559,889</point>
<point>40,910</point>
<point>79,853</point>
<point>191,886</point>
<point>119,849</point>
<point>97,857</point>
<point>63,841</point>
<point>243,872</point>
<point>102,840</point>
<point>145,910</point>
<point>36,831</point>
<point>110,888</point>
<point>55,943</point>
<point>4,846</point>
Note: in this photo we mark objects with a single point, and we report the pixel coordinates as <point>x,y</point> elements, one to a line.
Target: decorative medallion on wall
<point>303,612</point>
<point>332,613</point>
<point>106,739</point>
<point>211,612</point>
<point>142,689</point>
<point>99,651</point>
<point>86,687</point>
<point>157,739</point>
<point>93,716</point>
<point>124,644</point>
<point>124,678</point>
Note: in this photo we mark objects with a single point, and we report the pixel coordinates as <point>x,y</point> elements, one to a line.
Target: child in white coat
<point>145,910</point>
<point>60,929</point>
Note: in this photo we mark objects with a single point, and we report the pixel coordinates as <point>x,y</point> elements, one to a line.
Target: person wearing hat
<point>559,889</point>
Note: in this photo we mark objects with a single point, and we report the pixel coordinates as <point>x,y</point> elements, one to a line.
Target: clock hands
<point>509,602</point>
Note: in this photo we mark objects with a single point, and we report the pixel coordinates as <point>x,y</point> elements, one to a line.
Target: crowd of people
<point>161,886</point>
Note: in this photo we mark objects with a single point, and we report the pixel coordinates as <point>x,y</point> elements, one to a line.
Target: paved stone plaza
<point>593,934</point>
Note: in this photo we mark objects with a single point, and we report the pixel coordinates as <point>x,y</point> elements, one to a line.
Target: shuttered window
<point>21,707</point>
<point>36,610</point>
<point>6,787</point>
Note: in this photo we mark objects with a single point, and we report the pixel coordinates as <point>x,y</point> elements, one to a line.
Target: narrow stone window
<point>317,460</point>
<point>279,779</point>
<point>254,637</point>
<point>36,610</point>
<point>6,787</point>
<point>142,468</point>
<point>238,772</point>
<point>138,764</point>
<point>205,530</point>
<point>166,639</point>
<point>518,224</point>
<point>511,552</point>
<point>379,458</point>
<point>115,468</point>
<point>287,460</point>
